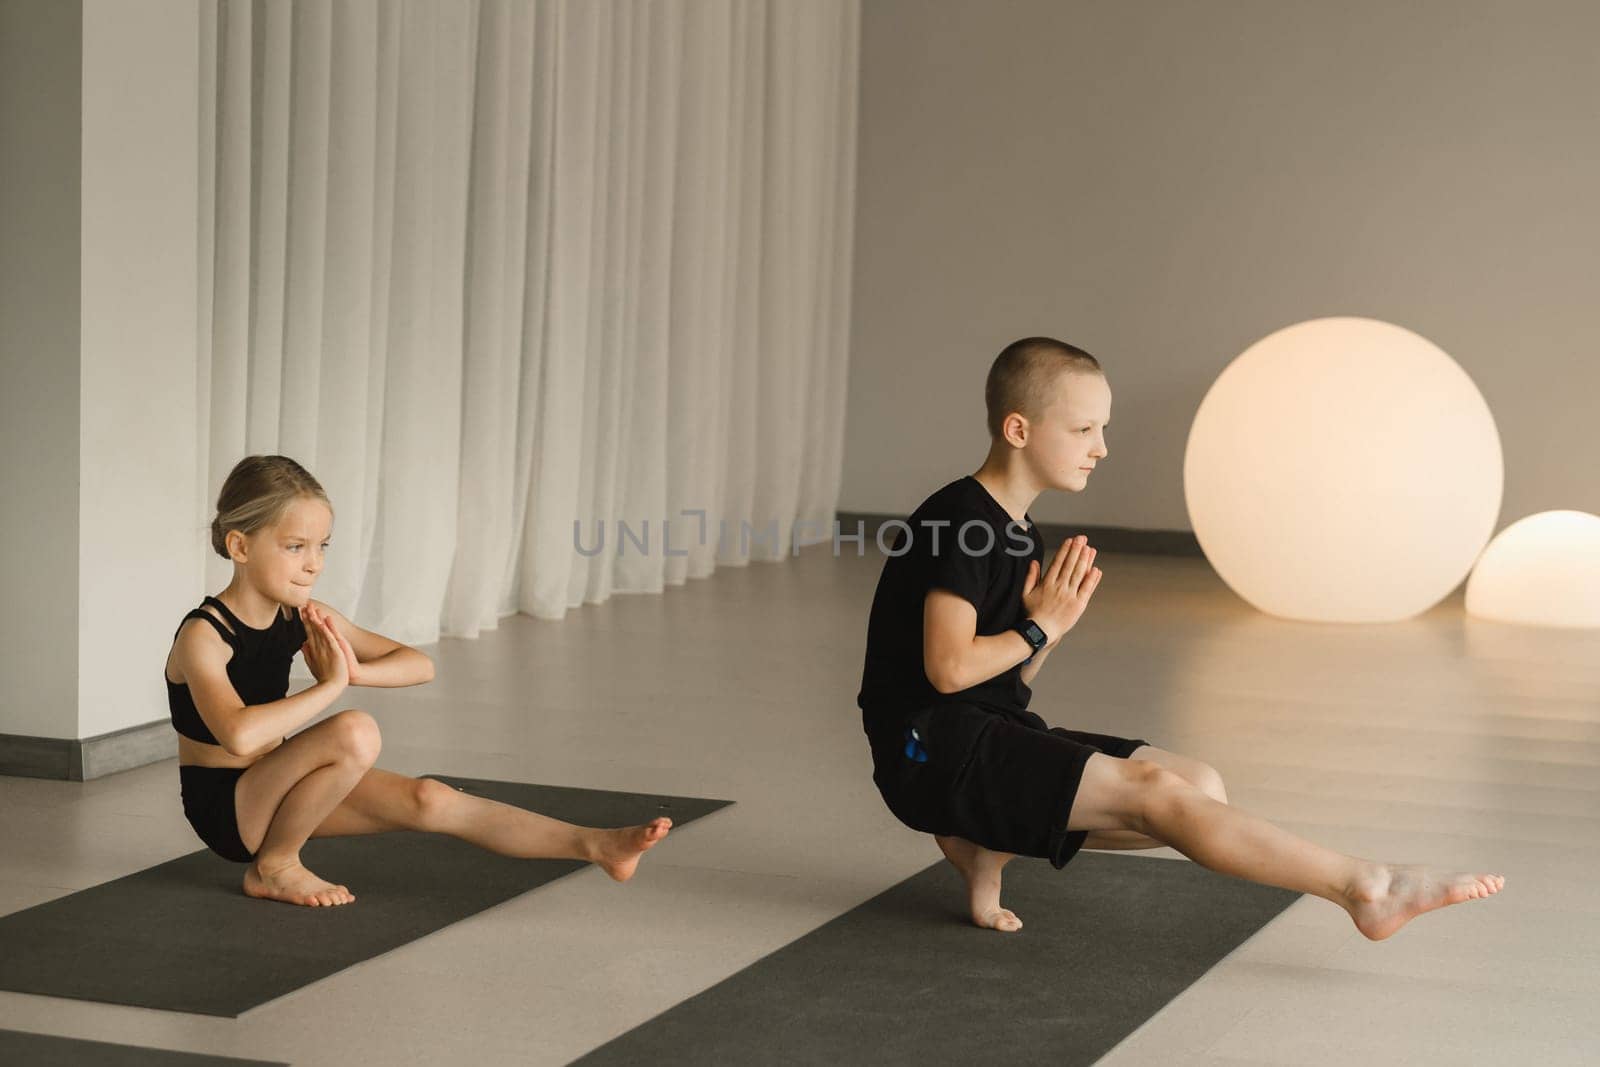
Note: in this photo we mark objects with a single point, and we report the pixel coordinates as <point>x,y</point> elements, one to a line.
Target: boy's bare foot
<point>981,869</point>
<point>618,851</point>
<point>1386,896</point>
<point>293,884</point>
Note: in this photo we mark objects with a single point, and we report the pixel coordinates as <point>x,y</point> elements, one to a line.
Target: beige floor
<point>1438,740</point>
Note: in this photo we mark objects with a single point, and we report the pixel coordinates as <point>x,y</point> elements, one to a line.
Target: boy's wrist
<point>1036,636</point>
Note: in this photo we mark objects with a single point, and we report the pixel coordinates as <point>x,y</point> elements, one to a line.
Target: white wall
<point>140,535</point>
<point>99,113</point>
<point>1165,183</point>
<point>39,168</point>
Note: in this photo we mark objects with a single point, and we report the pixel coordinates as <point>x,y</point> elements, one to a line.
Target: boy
<point>966,613</point>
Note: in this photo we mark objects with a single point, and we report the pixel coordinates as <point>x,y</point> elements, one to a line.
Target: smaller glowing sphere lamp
<point>1343,470</point>
<point>1543,570</point>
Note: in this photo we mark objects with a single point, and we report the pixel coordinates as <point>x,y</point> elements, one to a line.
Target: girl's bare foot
<point>981,869</point>
<point>1386,896</point>
<point>293,884</point>
<point>618,851</point>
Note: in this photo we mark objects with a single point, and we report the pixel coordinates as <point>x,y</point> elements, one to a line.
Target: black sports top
<point>959,539</point>
<point>259,669</point>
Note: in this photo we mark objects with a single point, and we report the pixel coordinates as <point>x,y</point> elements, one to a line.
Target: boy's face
<point>1070,436</point>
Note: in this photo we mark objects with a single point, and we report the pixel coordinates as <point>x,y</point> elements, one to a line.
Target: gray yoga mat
<point>906,978</point>
<point>47,1050</point>
<point>181,936</point>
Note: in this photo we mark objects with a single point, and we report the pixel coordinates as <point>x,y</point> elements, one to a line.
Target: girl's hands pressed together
<point>1057,598</point>
<point>327,654</point>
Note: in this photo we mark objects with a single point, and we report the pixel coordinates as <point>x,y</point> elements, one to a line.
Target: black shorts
<point>988,777</point>
<point>208,805</point>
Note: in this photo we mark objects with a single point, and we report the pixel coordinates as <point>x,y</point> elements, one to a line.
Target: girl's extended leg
<point>384,801</point>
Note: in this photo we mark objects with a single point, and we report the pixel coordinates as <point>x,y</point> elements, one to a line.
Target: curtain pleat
<point>551,295</point>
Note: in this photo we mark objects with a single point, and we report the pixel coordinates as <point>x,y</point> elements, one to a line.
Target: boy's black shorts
<point>987,777</point>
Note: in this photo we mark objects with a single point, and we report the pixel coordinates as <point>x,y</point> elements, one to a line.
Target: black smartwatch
<point>1035,637</point>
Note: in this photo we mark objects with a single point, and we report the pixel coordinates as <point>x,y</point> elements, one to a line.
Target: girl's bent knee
<point>358,735</point>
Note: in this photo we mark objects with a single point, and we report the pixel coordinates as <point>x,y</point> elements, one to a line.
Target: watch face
<point>1033,633</point>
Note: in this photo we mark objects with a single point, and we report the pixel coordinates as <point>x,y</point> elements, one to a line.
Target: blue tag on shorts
<point>915,750</point>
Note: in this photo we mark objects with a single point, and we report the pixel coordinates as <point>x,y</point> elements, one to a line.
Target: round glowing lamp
<point>1543,570</point>
<point>1343,470</point>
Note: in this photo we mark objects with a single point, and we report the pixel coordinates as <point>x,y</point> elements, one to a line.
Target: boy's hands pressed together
<point>1057,598</point>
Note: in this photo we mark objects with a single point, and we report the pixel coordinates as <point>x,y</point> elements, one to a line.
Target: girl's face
<point>284,560</point>
<point>1070,437</point>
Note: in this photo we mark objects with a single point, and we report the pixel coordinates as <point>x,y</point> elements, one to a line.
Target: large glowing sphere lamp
<point>1543,570</point>
<point>1343,470</point>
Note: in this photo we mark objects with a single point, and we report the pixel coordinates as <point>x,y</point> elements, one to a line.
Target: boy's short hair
<point>1023,373</point>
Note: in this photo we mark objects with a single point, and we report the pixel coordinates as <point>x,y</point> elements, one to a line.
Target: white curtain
<point>488,269</point>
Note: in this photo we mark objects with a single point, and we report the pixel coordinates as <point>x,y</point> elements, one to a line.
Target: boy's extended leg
<point>1379,897</point>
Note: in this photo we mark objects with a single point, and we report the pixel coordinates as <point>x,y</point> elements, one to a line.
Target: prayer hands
<point>328,655</point>
<point>1057,598</point>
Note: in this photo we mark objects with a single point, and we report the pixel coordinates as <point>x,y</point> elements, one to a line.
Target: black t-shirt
<point>944,545</point>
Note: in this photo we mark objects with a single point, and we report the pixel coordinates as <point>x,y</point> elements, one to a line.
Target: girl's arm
<point>239,729</point>
<point>373,659</point>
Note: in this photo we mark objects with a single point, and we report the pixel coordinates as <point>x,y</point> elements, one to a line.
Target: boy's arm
<point>953,656</point>
<point>1032,670</point>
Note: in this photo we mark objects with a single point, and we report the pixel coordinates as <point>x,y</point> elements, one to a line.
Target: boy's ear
<point>1014,429</point>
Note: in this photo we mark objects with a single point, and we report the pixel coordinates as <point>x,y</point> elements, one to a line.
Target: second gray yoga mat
<point>182,936</point>
<point>905,977</point>
<point>47,1050</point>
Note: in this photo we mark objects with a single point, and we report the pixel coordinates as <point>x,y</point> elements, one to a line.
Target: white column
<point>40,105</point>
<point>102,543</point>
<point>140,538</point>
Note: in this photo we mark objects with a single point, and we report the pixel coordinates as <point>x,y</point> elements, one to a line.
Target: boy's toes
<point>1002,919</point>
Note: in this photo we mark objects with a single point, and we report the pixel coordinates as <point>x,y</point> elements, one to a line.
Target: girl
<point>255,795</point>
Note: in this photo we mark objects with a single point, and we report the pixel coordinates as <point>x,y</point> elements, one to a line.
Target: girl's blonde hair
<point>255,495</point>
